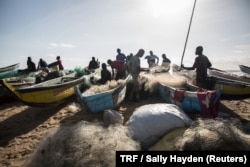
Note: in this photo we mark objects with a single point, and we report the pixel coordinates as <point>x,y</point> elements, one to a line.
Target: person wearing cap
<point>201,64</point>
<point>60,66</point>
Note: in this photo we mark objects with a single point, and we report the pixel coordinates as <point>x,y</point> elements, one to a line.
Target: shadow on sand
<point>231,113</point>
<point>26,121</point>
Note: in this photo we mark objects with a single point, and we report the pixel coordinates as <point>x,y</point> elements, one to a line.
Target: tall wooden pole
<point>188,33</point>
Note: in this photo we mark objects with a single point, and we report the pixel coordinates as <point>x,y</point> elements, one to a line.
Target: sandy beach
<point>22,127</point>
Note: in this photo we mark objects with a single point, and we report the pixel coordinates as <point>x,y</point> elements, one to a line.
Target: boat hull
<point>192,102</point>
<point>99,102</point>
<point>9,71</point>
<point>232,88</point>
<point>4,93</point>
<point>227,75</point>
<point>245,69</point>
<point>47,94</point>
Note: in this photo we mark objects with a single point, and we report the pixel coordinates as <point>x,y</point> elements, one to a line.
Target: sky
<point>78,30</point>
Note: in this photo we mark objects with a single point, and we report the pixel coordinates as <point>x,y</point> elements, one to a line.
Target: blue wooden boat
<point>202,101</point>
<point>9,71</point>
<point>99,102</point>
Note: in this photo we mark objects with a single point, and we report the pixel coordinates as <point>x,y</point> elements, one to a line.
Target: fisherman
<point>121,56</point>
<point>120,69</point>
<point>127,61</point>
<point>105,74</point>
<point>31,65</point>
<point>93,64</point>
<point>201,64</point>
<point>165,59</point>
<point>135,68</point>
<point>42,65</point>
<point>152,59</point>
<point>60,66</point>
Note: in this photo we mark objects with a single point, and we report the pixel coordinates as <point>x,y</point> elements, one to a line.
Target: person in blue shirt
<point>152,59</point>
<point>121,56</point>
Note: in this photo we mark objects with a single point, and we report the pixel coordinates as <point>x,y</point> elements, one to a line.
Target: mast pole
<point>188,33</point>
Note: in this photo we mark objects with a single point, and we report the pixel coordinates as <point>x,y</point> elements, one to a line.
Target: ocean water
<point>239,73</point>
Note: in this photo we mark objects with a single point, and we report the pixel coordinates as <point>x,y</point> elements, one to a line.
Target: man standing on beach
<point>135,68</point>
<point>201,64</point>
<point>120,56</point>
<point>152,59</point>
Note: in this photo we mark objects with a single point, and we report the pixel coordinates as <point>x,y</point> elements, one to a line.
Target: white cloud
<point>61,45</point>
<point>53,44</point>
<point>66,45</point>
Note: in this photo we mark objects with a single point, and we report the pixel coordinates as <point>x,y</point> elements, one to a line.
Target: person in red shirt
<point>120,69</point>
<point>59,63</point>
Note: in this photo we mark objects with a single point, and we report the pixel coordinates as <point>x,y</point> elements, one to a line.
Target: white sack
<point>150,122</point>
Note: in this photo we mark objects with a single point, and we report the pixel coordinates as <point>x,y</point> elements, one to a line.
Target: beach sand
<point>22,127</point>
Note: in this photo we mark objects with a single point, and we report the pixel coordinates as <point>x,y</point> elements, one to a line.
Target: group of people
<point>131,64</point>
<point>123,65</point>
<point>118,65</point>
<point>42,65</point>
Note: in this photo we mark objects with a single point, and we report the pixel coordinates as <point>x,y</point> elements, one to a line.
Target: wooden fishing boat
<point>16,82</point>
<point>4,93</point>
<point>99,102</point>
<point>49,93</point>
<point>227,75</point>
<point>245,69</point>
<point>230,87</point>
<point>9,71</point>
<point>201,101</point>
